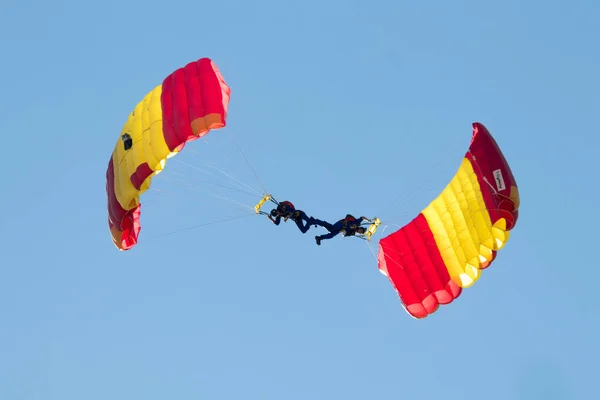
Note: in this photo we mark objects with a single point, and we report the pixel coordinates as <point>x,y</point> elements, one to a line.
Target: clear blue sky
<point>339,106</point>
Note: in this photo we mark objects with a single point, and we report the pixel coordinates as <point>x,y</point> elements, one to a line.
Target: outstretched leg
<point>333,229</point>
<point>326,236</point>
<point>326,224</point>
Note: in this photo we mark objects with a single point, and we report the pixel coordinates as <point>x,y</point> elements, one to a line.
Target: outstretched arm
<point>276,221</point>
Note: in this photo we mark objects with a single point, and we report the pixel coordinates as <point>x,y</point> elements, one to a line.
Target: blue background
<point>340,107</point>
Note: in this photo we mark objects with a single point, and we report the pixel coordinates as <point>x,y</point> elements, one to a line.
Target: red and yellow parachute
<point>186,106</point>
<point>443,250</point>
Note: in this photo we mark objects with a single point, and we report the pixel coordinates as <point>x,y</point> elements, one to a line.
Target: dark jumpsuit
<point>286,209</point>
<point>349,225</point>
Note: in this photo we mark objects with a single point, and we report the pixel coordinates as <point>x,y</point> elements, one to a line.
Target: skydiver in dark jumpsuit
<point>286,210</point>
<point>348,226</point>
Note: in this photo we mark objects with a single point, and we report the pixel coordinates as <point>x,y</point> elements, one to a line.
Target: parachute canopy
<point>443,250</point>
<point>186,106</point>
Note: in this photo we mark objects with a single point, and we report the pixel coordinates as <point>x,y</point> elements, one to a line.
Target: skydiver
<point>286,210</point>
<point>348,226</point>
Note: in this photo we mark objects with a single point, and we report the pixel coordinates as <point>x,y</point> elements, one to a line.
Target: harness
<point>286,208</point>
<point>349,224</point>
